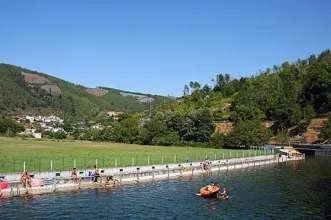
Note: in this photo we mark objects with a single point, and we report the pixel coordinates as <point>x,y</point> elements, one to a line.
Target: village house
<point>114,114</point>
<point>31,131</point>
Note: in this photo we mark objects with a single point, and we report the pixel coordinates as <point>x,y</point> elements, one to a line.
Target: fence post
<point>115,162</point>
<point>132,161</point>
<point>162,158</point>
<point>175,158</point>
<point>51,165</point>
<point>168,171</point>
<point>74,163</point>
<point>230,154</point>
<point>121,172</point>
<point>96,162</point>
<point>148,160</point>
<point>24,166</point>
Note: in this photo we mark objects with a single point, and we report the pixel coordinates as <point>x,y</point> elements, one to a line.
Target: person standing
<point>96,174</point>
<point>26,179</point>
<point>74,175</point>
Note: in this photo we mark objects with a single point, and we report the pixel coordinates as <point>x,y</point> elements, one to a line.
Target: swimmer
<point>225,194</point>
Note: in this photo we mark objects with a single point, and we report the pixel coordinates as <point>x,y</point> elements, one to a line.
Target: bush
<point>217,140</point>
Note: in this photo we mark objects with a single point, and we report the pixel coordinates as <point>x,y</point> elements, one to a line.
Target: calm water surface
<point>261,193</point>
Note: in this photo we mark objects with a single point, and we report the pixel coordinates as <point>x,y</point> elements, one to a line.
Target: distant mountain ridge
<point>24,91</point>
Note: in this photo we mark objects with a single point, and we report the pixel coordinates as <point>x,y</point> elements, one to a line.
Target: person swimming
<point>225,194</point>
<point>107,182</point>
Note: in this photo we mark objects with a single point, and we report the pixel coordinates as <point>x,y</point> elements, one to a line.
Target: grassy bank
<point>39,155</point>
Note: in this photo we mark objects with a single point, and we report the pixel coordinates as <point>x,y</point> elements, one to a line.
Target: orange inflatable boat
<point>209,191</point>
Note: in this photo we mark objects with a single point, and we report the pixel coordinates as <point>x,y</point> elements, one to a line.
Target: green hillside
<point>286,96</point>
<point>130,102</point>
<point>48,94</point>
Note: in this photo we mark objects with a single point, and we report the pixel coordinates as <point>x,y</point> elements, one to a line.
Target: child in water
<point>110,179</point>
<point>223,194</point>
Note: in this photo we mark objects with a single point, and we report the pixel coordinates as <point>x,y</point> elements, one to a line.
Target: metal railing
<point>8,165</point>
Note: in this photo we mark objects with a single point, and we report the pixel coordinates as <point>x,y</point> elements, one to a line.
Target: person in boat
<point>96,174</point>
<point>26,179</point>
<point>74,175</point>
<point>210,186</point>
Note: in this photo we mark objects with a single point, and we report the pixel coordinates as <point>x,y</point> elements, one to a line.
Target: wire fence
<point>67,163</point>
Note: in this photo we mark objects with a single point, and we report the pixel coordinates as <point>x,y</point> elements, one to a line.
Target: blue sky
<point>159,46</point>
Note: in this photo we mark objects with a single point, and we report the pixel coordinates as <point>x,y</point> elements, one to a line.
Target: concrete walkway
<point>129,175</point>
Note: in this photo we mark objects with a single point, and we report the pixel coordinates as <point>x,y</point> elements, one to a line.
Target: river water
<point>267,192</point>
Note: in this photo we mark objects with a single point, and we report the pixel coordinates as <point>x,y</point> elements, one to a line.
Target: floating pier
<point>62,180</point>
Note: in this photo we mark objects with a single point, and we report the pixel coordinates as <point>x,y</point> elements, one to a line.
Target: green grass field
<point>41,155</point>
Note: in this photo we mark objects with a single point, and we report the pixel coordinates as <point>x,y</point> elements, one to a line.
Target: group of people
<point>96,177</point>
<point>211,187</point>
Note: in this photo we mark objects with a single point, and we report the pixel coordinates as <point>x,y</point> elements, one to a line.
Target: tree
<point>326,131</point>
<point>196,85</point>
<point>127,131</point>
<point>192,85</point>
<point>67,126</point>
<point>283,137</point>
<point>186,90</point>
<point>248,133</point>
<point>227,78</point>
<point>206,88</point>
<point>217,140</point>
<point>198,126</point>
<point>8,125</point>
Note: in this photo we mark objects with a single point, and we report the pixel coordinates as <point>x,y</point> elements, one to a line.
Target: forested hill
<point>23,91</point>
<point>283,96</point>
